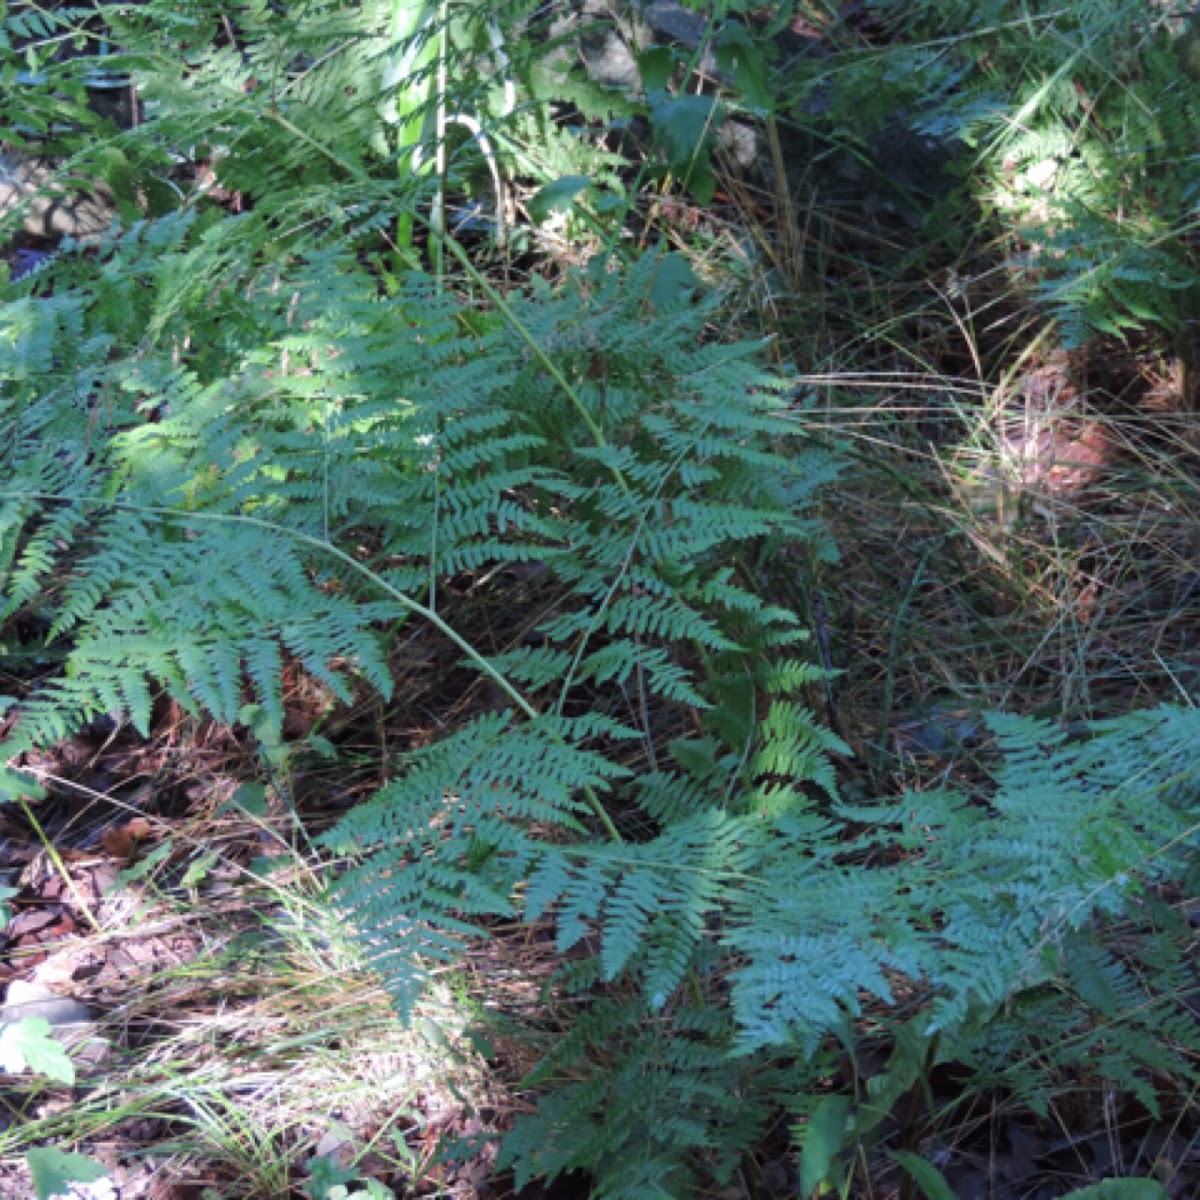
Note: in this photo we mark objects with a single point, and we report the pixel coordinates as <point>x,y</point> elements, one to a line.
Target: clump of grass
<point>264,1046</point>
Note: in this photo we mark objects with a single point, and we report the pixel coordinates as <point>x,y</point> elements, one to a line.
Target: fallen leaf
<point>122,840</point>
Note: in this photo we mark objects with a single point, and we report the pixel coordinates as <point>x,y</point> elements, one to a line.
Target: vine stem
<point>414,606</point>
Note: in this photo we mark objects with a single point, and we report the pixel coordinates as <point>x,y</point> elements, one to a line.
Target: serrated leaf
<point>557,196</point>
<point>655,66</point>
<point>673,283</point>
<point>53,1171</point>
<point>29,1044</point>
<point>738,54</point>
<point>684,126</point>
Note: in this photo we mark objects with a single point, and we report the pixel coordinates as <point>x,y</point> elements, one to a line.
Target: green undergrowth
<point>254,439</point>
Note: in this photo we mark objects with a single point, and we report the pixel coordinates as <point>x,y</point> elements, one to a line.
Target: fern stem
<point>402,598</point>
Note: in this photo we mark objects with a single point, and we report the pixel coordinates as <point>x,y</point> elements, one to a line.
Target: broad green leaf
<point>904,1067</point>
<point>655,66</point>
<point>198,870</point>
<point>255,718</point>
<point>268,732</point>
<point>371,1189</point>
<point>120,176</point>
<point>673,284</point>
<point>16,785</point>
<point>53,1171</point>
<point>738,54</point>
<point>683,127</point>
<point>250,798</point>
<point>30,1044</point>
<point>327,1178</point>
<point>824,1140</point>
<point>557,196</point>
<point>929,1179</point>
<point>321,747</point>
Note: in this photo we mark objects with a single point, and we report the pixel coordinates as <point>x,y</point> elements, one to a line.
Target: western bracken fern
<point>243,441</point>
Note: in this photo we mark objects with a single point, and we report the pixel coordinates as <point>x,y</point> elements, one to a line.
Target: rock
<point>26,999</point>
<point>48,210</point>
<point>75,1023</point>
<point>673,23</point>
<point>611,33</point>
<point>738,142</point>
<point>606,39</point>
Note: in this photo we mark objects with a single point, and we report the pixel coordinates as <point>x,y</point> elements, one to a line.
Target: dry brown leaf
<point>122,840</point>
